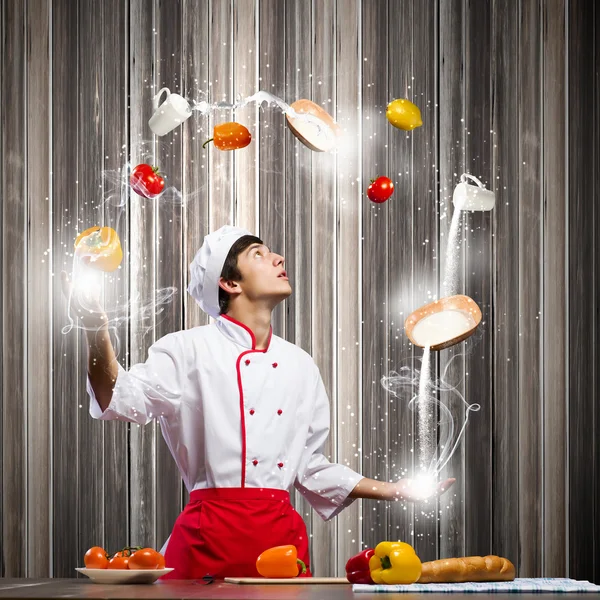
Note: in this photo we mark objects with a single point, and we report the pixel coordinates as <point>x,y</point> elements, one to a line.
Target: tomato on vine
<point>96,558</point>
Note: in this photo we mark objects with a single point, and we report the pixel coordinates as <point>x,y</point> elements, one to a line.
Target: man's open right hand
<point>84,305</point>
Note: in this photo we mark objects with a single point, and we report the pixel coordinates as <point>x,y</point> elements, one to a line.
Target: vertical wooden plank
<point>595,577</point>
<point>14,219</point>
<point>90,483</point>
<point>324,240</point>
<point>168,22</point>
<point>66,362</point>
<point>142,285</point>
<point>194,158</point>
<point>220,60</point>
<point>374,126</point>
<point>425,235</point>
<point>530,290</point>
<point>582,393</point>
<point>270,135</point>
<point>554,530</point>
<point>400,251</point>
<point>245,80</point>
<point>478,278</point>
<point>298,204</point>
<point>38,282</point>
<point>451,165</point>
<point>348,292</point>
<point>505,220</point>
<point>2,562</point>
<point>115,132</point>
<point>195,162</point>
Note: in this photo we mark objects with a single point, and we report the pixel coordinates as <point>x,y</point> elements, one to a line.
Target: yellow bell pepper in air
<point>395,562</point>
<point>101,245</point>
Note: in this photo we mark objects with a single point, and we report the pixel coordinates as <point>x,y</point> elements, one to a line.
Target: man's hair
<point>231,271</point>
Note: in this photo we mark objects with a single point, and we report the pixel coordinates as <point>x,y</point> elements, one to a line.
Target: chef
<point>244,413</point>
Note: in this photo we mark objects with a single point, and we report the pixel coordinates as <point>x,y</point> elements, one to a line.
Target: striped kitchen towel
<point>537,585</point>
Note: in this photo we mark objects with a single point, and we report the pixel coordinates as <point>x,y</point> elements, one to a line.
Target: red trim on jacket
<point>241,390</point>
<point>251,333</point>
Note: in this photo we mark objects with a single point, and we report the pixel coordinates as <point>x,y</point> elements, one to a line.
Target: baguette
<point>468,568</point>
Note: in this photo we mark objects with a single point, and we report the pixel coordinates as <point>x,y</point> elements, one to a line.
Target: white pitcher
<point>472,197</point>
<point>171,113</point>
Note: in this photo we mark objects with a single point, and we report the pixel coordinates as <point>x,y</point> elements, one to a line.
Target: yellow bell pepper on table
<point>395,562</point>
<point>102,246</point>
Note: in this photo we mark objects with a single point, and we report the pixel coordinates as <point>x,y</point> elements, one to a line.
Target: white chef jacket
<point>234,416</point>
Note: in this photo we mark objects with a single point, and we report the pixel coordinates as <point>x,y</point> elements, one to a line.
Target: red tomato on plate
<point>146,558</point>
<point>380,189</point>
<point>95,558</point>
<point>118,561</point>
<point>147,181</point>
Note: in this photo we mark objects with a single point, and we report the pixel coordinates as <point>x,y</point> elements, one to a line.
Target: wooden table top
<point>182,590</point>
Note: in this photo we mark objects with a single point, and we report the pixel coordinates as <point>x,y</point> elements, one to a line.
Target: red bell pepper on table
<point>357,568</point>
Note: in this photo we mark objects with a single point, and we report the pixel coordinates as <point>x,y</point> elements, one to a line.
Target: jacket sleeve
<point>324,484</point>
<point>148,390</point>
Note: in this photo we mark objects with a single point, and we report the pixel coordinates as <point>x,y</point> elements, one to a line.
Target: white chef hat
<point>207,266</point>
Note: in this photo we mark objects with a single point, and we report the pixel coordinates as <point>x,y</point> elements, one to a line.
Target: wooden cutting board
<point>296,580</point>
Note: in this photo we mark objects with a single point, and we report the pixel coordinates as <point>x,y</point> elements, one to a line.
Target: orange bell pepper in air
<point>280,561</point>
<point>102,246</point>
<point>230,136</point>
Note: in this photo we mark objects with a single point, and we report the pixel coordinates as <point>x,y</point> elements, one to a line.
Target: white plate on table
<point>123,575</point>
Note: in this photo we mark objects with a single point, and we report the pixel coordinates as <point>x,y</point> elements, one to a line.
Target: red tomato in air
<point>380,189</point>
<point>146,558</point>
<point>147,181</point>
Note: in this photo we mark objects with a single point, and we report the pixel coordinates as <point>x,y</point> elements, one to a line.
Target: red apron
<point>222,531</point>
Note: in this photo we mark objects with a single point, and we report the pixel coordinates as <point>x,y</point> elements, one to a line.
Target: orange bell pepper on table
<point>280,562</point>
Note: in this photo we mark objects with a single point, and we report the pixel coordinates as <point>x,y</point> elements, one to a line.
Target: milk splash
<point>260,98</point>
<point>450,283</point>
<point>423,429</point>
<point>416,384</point>
<point>434,455</point>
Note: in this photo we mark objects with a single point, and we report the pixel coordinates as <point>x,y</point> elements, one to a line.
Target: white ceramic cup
<point>170,114</point>
<point>472,197</point>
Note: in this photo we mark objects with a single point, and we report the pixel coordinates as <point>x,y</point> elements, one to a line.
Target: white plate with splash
<point>122,576</point>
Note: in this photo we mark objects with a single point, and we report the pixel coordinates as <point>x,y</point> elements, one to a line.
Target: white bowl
<point>123,575</point>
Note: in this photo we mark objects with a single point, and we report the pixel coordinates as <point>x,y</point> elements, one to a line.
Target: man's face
<point>263,274</point>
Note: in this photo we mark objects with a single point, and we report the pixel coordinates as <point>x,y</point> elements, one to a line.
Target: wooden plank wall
<point>509,91</point>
